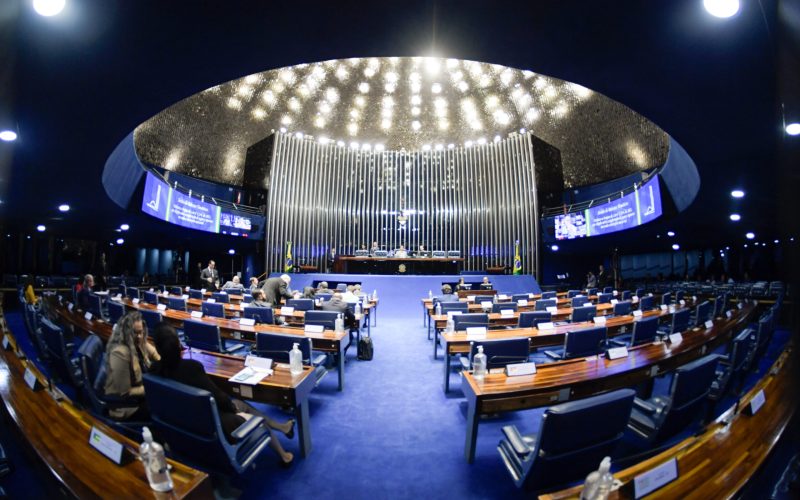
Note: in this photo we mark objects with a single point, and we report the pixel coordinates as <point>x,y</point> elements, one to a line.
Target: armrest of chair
<point>464,362</point>
<point>246,428</point>
<point>553,355</point>
<point>515,439</point>
<point>233,348</point>
<point>642,405</point>
<point>318,359</point>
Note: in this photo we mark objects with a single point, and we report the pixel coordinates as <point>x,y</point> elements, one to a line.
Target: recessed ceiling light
<point>120,241</point>
<point>8,136</point>
<point>40,228</point>
<point>554,248</point>
<point>793,128</point>
<point>63,208</point>
<point>231,251</point>
<point>737,193</point>
<point>721,8</point>
<point>736,217</point>
<point>124,227</point>
<point>676,246</point>
<point>777,241</point>
<point>48,8</point>
<point>670,233</point>
<point>750,236</point>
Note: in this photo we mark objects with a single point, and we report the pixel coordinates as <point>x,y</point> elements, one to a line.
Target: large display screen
<point>633,209</point>
<point>168,204</point>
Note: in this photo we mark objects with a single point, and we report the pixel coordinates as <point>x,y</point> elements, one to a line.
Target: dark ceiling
<point>76,84</point>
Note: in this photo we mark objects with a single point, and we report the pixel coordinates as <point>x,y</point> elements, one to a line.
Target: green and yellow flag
<point>517,259</point>
<point>289,262</point>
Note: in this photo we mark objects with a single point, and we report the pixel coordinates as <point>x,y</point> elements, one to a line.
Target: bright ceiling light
<point>120,241</point>
<point>776,241</point>
<point>231,251</point>
<point>670,233</point>
<point>737,193</point>
<point>63,208</point>
<point>750,236</point>
<point>793,128</point>
<point>8,136</point>
<point>124,227</point>
<point>676,246</point>
<point>554,248</point>
<point>40,228</point>
<point>736,217</point>
<point>48,8</point>
<point>721,8</point>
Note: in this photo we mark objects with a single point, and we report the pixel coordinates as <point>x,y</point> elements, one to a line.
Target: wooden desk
<point>392,265</point>
<point>583,377</point>
<point>718,463</point>
<point>58,434</point>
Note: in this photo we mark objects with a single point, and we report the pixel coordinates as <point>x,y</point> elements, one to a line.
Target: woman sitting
<point>128,354</point>
<point>232,412</point>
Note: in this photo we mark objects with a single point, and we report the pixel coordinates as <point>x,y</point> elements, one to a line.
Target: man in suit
<point>331,258</point>
<point>210,276</point>
<point>277,288</point>
<point>338,304</point>
<point>602,276</point>
<point>85,290</point>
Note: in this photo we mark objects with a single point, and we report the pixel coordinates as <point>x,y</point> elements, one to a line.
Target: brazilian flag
<point>289,262</point>
<point>517,259</point>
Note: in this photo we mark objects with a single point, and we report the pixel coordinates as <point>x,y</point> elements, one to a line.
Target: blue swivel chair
<point>115,311</point>
<point>702,313</point>
<point>151,318</point>
<point>644,332</point>
<point>679,295</point>
<point>499,306</point>
<point>341,287</point>
<point>214,309</point>
<point>454,306</point>
<point>176,303</point>
<point>206,336</point>
<point>591,291</point>
<point>764,332</point>
<point>666,299</point>
<point>572,293</point>
<point>604,298</point>
<point>277,347</point>
<point>579,344</point>
<point>647,303</point>
<point>543,304</point>
<point>679,323</point>
<point>480,299</point>
<point>519,296</point>
<point>719,304</point>
<point>640,292</point>
<point>187,420</point>
<point>247,298</point>
<point>60,353</point>
<point>151,298</point>
<point>195,294</point>
<point>548,295</point>
<point>570,442</point>
<point>221,297</point>
<point>96,305</point>
<point>579,301</point>
<point>626,295</point>
<point>324,318</point>
<point>301,304</point>
<point>499,353</point>
<point>463,321</point>
<point>622,308</point>
<point>133,293</point>
<point>608,289</point>
<point>528,319</point>
<point>262,315</point>
<point>661,417</point>
<point>584,313</point>
<point>733,366</point>
<point>176,290</point>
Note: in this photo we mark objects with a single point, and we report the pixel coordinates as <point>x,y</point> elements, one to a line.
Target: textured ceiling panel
<point>400,103</point>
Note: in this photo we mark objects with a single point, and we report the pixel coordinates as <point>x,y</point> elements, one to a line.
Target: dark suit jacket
<point>274,289</point>
<point>206,274</point>
<point>339,305</point>
<point>83,298</point>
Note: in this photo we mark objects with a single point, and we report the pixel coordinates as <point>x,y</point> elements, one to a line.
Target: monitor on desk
<point>362,253</point>
<point>422,254</point>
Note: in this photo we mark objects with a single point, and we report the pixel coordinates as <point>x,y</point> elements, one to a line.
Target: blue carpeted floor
<point>393,432</point>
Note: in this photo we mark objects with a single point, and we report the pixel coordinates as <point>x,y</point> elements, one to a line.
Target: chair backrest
<point>579,301</point>
<point>133,293</point>
<point>622,308</point>
<point>586,342</point>
<point>626,295</point>
<point>548,295</point>
<point>528,319</point>
<point>572,441</point>
<point>202,335</point>
<point>640,292</point>
<point>341,287</point>
<point>719,304</point>
<point>454,306</point>
<point>666,299</point>
<point>261,314</point>
<point>464,321</point>
<point>324,318</point>
<point>175,290</point>
<point>679,295</point>
<point>572,293</point>
<point>604,298</point>
<point>247,298</point>
<point>53,338</point>
<point>122,290</point>
<point>324,297</point>
<point>195,294</point>
<point>277,347</point>
<point>647,303</point>
<point>740,348</point>
<point>499,306</point>
<point>151,318</point>
<point>221,297</point>
<point>215,309</point>
<point>584,313</point>
<point>608,289</point>
<point>519,296</point>
<point>176,303</point>
<point>680,320</point>
<point>703,312</point>
<point>115,311</point>
<point>95,305</point>
<point>543,304</point>
<point>644,331</point>
<point>591,291</point>
<point>151,298</point>
<point>690,386</point>
<point>301,304</point>
<point>500,353</point>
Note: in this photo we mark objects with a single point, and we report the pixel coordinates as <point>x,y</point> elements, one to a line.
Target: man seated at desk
<point>233,284</point>
<point>337,304</point>
<point>401,253</point>
<point>323,287</point>
<point>374,248</point>
<point>422,252</point>
<point>486,284</point>
<point>254,285</point>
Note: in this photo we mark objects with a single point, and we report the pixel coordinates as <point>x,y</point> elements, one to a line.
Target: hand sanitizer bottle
<point>155,463</point>
<point>374,295</point>
<point>295,360</point>
<point>438,310</point>
<point>606,481</point>
<point>358,309</point>
<point>450,325</point>
<point>339,324</point>
<point>479,364</point>
<point>430,294</point>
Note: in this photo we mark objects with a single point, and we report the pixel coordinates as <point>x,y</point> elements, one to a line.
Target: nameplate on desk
<point>519,369</point>
<point>675,338</point>
<point>471,298</point>
<point>694,298</point>
<point>184,296</point>
<point>617,352</point>
<point>247,321</point>
<point>545,325</point>
<point>106,445</point>
<point>165,293</point>
<point>507,312</point>
<point>70,306</point>
<point>314,328</point>
<point>211,301</point>
<point>729,314</point>
<point>614,293</point>
<point>634,299</point>
<point>476,332</point>
<point>87,316</point>
<point>522,302</point>
<point>502,297</point>
<point>614,302</point>
<point>757,402</point>
<point>202,290</point>
<point>118,297</point>
<point>450,314</point>
<point>552,309</point>
<point>30,379</point>
<point>135,301</point>
<point>6,343</point>
<point>599,320</point>
<point>530,296</point>
<point>223,292</point>
<point>637,313</point>
<point>655,478</point>
<point>664,307</point>
<point>161,307</point>
<point>741,305</point>
<point>197,314</point>
<point>682,302</point>
<point>709,324</point>
<point>287,311</point>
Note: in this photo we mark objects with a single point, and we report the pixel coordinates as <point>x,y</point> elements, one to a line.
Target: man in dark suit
<point>338,304</point>
<point>277,288</point>
<point>332,256</point>
<point>85,291</point>
<point>602,277</point>
<point>210,276</point>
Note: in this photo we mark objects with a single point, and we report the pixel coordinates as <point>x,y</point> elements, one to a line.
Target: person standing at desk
<point>276,288</point>
<point>210,276</point>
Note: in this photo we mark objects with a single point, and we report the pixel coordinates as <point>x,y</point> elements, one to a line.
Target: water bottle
<point>295,360</point>
<point>438,310</point>
<point>339,324</point>
<point>589,491</point>
<point>451,326</point>
<point>155,463</point>
<point>479,364</point>
<point>358,309</point>
<point>374,295</point>
<point>606,481</point>
<point>430,294</point>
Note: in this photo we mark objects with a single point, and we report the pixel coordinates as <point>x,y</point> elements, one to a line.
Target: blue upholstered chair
<point>543,304</point>
<point>572,293</point>
<point>679,323</point>
<point>579,301</point>
<point>548,295</point>
<point>647,303</point>
<point>206,336</point>
<point>570,443</point>
<point>604,298</point>
<point>133,293</point>
<point>195,294</point>
<point>214,309</point>
<point>60,353</point>
<point>176,290</point>
<point>454,306</point>
<point>247,298</point>
<point>151,298</point>
<point>626,295</point>
<point>177,303</point>
<point>666,299</point>
<point>499,306</point>
<point>499,353</point>
<point>663,416</point>
<point>277,347</point>
<point>702,313</point>
<point>519,296</point>
<point>221,297</point>
<point>186,419</point>
<point>301,304</point>
<point>583,313</point>
<point>733,366</point>
<point>622,308</point>
<point>463,321</point>
<point>151,318</point>
<point>578,344</point>
<point>325,318</point>
<point>260,314</point>
<point>528,319</point>
<point>608,289</point>
<point>644,332</point>
<point>115,311</point>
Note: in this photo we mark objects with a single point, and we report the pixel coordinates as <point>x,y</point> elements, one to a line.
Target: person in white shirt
<point>401,252</point>
<point>349,296</point>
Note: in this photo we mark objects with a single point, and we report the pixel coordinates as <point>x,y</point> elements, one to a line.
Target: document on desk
<point>256,369</point>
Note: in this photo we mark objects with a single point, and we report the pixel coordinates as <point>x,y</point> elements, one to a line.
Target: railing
<point>222,203</point>
<point>583,205</point>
